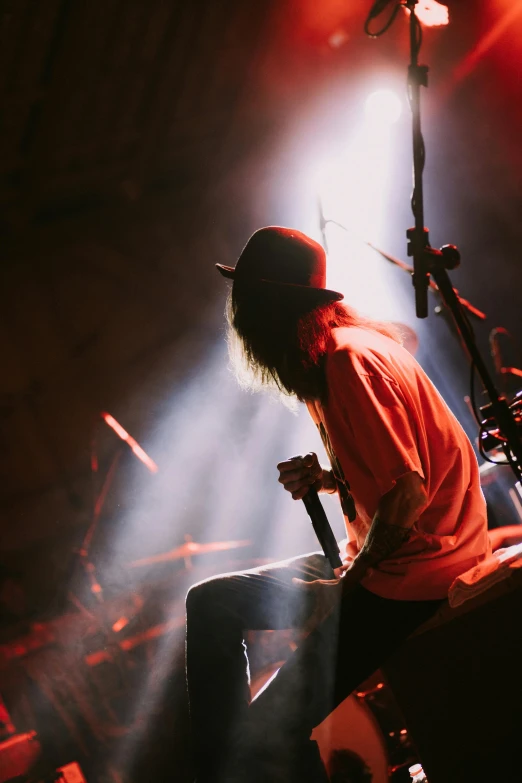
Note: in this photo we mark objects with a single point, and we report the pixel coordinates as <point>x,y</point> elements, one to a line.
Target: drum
<point>351,726</point>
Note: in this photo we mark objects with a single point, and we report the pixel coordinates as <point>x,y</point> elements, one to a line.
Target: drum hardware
<point>122,611</point>
<point>379,700</point>
<point>17,755</point>
<point>98,613</point>
<point>501,432</point>
<point>71,773</point>
<point>41,635</point>
<point>491,435</point>
<point>368,722</point>
<point>101,490</point>
<point>126,645</point>
<point>77,675</point>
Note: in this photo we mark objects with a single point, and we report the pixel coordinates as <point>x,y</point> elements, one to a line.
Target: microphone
<point>322,528</point>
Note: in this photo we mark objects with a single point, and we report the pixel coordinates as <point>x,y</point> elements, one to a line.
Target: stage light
<point>383,107</point>
<point>432,14</point>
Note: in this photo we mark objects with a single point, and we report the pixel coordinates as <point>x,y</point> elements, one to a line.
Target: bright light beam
<point>431,14</point>
<point>354,191</point>
<point>383,107</point>
<point>224,445</point>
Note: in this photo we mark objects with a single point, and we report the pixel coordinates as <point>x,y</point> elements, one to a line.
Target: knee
<point>321,565</point>
<point>203,597</point>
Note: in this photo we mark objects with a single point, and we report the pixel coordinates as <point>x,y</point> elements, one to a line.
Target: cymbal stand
<point>430,261</point>
<point>87,565</point>
<point>99,499</point>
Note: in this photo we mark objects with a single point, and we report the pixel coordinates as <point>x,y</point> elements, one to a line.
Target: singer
<point>408,483</point>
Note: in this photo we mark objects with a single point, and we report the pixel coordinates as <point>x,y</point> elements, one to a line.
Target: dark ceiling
<point>141,142</point>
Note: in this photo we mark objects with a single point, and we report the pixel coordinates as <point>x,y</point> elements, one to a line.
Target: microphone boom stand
<point>428,260</point>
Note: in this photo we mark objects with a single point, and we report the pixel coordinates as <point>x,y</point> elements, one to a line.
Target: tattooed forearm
<point>382,541</point>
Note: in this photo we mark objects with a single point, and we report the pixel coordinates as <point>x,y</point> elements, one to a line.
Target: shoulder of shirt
<point>355,341</point>
<point>362,351</point>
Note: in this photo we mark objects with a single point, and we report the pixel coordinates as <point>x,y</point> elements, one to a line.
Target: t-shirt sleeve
<point>377,417</point>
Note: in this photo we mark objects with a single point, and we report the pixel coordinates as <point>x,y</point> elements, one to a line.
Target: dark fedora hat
<point>283,257</point>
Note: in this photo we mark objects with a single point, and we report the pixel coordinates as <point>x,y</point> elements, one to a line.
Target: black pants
<point>269,739</point>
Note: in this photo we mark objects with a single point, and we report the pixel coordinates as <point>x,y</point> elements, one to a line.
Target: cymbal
<point>410,340</point>
<point>189,549</point>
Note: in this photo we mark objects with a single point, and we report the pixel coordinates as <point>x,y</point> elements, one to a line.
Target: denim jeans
<point>268,740</point>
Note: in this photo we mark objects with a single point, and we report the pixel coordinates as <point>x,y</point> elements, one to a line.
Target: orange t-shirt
<point>384,418</point>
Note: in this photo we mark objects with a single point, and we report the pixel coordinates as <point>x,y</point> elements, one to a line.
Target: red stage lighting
<point>431,13</point>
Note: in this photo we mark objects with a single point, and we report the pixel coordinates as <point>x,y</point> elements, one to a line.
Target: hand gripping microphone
<point>322,528</point>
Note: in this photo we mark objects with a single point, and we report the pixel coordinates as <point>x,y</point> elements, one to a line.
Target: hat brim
<point>325,294</point>
<point>226,271</point>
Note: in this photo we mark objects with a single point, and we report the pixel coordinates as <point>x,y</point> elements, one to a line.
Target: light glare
<point>383,107</point>
<point>431,13</point>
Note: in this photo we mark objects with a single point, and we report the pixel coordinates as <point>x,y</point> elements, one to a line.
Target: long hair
<point>278,337</point>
